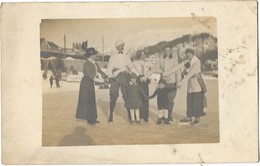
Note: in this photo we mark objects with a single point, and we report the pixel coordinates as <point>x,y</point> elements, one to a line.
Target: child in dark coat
<point>162,101</point>
<point>134,98</point>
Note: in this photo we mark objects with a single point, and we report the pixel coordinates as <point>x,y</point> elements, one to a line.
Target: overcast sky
<point>135,32</point>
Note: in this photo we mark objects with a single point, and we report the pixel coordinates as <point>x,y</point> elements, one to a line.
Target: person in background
<point>117,71</point>
<point>86,108</point>
<point>135,96</point>
<point>57,81</point>
<point>194,90</point>
<point>165,64</point>
<point>140,68</point>
<point>51,81</point>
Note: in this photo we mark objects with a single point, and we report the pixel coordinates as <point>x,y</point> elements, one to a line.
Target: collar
<point>132,83</point>
<point>120,52</point>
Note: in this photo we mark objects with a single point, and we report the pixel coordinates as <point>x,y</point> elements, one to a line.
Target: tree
<point>84,45</point>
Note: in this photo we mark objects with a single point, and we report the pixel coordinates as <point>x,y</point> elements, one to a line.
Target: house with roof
<point>48,46</point>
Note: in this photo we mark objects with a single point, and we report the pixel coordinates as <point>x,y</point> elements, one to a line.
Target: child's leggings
<point>134,112</point>
<point>163,113</point>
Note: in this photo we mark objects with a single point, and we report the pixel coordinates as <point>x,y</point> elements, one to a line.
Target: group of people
<point>132,78</point>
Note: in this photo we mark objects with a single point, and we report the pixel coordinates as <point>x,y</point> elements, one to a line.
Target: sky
<point>136,32</point>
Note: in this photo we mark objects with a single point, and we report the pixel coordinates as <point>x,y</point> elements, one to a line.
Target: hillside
<point>204,43</point>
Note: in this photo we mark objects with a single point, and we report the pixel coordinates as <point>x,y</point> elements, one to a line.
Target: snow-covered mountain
<point>150,37</point>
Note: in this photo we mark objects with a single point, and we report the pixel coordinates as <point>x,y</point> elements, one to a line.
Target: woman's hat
<point>90,51</point>
<point>191,50</point>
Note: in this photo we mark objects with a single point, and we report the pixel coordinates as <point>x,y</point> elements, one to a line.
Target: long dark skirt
<point>87,101</point>
<point>195,104</point>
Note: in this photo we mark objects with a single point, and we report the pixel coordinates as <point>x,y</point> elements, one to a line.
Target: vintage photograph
<point>129,81</point>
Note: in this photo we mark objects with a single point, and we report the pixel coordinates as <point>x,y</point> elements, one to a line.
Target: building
<point>48,46</point>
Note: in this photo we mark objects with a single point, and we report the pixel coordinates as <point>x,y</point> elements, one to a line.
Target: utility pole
<point>64,44</point>
<point>103,47</point>
<point>102,44</point>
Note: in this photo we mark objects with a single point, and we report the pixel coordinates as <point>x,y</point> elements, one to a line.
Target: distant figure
<point>57,80</point>
<point>44,75</point>
<point>51,81</point>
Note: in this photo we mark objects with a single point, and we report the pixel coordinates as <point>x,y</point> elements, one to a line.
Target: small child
<point>134,98</point>
<point>162,101</point>
<point>51,81</point>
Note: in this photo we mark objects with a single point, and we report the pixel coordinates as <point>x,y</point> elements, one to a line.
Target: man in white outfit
<point>117,71</point>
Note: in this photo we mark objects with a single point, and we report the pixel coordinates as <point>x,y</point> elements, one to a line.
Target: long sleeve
<point>202,83</point>
<point>153,69</point>
<point>110,67</point>
<point>175,69</point>
<point>154,93</point>
<point>195,69</point>
<point>178,72</point>
<point>142,92</point>
<point>103,74</point>
<point>89,70</point>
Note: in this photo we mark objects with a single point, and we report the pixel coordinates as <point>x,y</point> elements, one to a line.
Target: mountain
<point>204,43</point>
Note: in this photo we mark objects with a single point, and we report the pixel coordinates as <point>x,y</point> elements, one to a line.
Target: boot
<point>159,121</point>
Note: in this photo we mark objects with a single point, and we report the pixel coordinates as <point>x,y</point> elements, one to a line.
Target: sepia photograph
<point>129,81</point>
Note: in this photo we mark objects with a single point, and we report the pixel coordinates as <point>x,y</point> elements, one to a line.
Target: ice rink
<point>60,128</point>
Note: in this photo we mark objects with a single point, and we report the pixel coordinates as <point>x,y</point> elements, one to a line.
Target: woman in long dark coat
<point>86,109</point>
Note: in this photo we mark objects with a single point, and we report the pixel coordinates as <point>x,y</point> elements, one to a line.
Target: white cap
<point>119,42</point>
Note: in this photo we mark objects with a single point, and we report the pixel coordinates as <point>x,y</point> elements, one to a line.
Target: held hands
<point>146,98</point>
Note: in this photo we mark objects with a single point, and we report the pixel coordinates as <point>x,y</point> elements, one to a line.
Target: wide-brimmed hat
<point>191,50</point>
<point>90,51</point>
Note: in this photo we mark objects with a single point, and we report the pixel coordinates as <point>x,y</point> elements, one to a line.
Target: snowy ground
<point>60,128</point>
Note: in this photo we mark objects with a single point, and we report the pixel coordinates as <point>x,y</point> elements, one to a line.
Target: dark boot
<point>129,114</point>
<point>112,107</point>
<point>159,121</point>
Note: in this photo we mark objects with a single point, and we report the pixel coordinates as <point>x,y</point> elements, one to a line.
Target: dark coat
<point>134,96</point>
<point>86,108</point>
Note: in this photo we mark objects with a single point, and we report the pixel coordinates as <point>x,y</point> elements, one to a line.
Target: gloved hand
<point>187,64</point>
